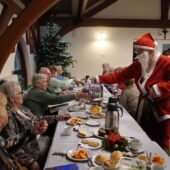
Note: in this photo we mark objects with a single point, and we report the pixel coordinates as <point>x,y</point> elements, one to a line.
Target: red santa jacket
<point>158,77</point>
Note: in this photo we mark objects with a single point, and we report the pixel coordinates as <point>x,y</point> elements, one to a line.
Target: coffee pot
<point>112,116</point>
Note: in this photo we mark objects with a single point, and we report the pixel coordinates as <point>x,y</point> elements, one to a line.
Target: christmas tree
<point>52,50</point>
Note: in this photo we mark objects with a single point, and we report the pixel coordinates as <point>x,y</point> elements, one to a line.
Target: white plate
<point>130,163</point>
<point>95,133</point>
<point>95,116</point>
<point>92,123</point>
<point>78,123</point>
<point>88,111</point>
<point>69,155</point>
<point>86,130</point>
<point>91,147</point>
<point>82,116</point>
<point>75,109</point>
<point>94,157</point>
<point>134,151</point>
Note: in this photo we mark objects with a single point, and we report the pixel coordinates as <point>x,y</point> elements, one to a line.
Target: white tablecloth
<point>128,127</point>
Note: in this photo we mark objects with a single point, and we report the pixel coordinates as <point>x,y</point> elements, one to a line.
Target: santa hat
<point>145,42</point>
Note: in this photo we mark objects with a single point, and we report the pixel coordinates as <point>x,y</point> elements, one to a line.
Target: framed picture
<point>164,46</point>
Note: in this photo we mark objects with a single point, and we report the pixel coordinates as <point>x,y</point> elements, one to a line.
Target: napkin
<point>64,167</point>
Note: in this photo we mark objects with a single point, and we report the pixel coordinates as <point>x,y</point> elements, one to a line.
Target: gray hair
<point>37,78</point>
<point>3,100</point>
<point>9,88</point>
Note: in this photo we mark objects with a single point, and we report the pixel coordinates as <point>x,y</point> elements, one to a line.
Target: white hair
<point>9,88</point>
<point>37,78</point>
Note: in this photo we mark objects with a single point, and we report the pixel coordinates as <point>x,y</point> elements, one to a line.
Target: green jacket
<point>37,100</point>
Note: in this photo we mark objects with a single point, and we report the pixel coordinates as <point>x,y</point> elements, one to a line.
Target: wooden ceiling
<point>71,14</point>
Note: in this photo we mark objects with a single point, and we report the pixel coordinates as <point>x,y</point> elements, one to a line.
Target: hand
<point>63,117</point>
<point>35,166</point>
<point>81,95</point>
<point>77,80</point>
<point>152,93</point>
<point>93,80</point>
<point>40,127</point>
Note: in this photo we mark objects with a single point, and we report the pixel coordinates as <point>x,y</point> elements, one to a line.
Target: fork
<point>90,162</point>
<point>149,163</point>
<point>79,144</point>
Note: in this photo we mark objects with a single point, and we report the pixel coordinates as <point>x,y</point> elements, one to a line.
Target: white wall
<point>117,51</point>
<point>8,67</point>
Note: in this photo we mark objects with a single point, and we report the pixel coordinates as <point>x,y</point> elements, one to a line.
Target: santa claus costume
<point>157,78</point>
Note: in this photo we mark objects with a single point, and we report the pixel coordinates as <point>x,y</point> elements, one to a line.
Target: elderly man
<point>106,68</point>
<point>152,77</point>
<point>38,98</point>
<point>55,86</point>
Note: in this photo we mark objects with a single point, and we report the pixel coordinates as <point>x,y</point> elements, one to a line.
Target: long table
<point>128,127</point>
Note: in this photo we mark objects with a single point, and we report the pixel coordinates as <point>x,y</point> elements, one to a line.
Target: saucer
<point>139,151</point>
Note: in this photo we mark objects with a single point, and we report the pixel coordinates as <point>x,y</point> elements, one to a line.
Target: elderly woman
<point>38,98</point>
<point>20,119</point>
<point>5,160</point>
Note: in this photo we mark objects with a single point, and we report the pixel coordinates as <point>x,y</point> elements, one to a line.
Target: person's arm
<point>161,89</point>
<point>50,99</point>
<point>123,75</point>
<point>63,84</point>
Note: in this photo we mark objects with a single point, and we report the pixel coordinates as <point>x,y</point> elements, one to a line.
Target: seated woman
<point>21,120</point>
<point>38,98</point>
<point>5,160</point>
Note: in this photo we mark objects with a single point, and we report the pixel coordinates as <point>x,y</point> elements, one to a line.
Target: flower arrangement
<point>114,142</point>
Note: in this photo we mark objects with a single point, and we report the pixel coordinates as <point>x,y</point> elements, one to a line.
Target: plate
<point>75,121</point>
<point>131,163</point>
<point>94,157</point>
<point>134,151</point>
<point>83,116</point>
<point>84,132</point>
<point>92,123</point>
<point>75,109</point>
<point>97,116</point>
<point>70,153</point>
<point>95,133</point>
<point>88,110</point>
<point>83,145</point>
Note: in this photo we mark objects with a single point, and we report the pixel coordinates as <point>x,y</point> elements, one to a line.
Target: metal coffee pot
<point>114,112</point>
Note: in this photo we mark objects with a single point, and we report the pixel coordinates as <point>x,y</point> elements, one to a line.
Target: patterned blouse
<point>17,123</point>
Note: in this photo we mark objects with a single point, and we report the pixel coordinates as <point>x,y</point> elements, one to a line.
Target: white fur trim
<point>156,89</point>
<point>162,118</point>
<point>97,80</point>
<point>143,47</point>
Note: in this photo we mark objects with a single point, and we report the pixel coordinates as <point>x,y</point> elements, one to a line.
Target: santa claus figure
<point>152,77</point>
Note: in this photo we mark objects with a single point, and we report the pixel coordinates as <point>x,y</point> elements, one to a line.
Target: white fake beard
<point>144,61</point>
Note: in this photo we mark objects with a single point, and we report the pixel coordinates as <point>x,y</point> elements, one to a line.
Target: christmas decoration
<point>114,142</point>
<point>52,50</point>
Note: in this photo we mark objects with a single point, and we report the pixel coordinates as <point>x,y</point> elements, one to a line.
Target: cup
<point>66,131</point>
<point>135,144</point>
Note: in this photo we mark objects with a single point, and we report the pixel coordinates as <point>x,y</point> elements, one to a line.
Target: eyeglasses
<point>20,92</point>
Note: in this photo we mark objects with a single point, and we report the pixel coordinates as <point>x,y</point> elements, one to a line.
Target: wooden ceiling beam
<point>6,15</point>
<point>84,5</point>
<point>134,23</point>
<point>24,20</point>
<point>164,11</point>
<point>100,7</point>
<point>10,4</point>
<point>75,4</point>
<point>92,22</point>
